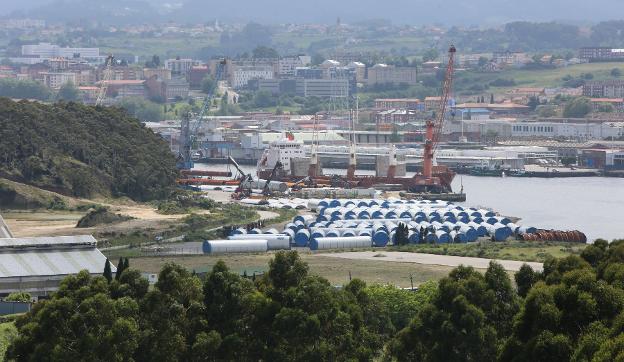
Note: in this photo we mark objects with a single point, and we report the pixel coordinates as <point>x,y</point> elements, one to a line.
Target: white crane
<point>108,76</point>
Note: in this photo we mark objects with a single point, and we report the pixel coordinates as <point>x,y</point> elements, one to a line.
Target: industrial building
<point>37,265</point>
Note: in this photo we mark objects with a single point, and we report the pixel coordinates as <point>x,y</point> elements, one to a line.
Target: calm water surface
<point>593,205</point>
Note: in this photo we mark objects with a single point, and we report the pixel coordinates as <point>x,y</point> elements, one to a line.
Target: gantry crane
<point>434,127</point>
<point>108,76</point>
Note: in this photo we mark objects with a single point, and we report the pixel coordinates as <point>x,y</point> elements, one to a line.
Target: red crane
<point>434,127</point>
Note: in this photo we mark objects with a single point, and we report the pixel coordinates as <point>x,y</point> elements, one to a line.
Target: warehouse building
<point>37,265</point>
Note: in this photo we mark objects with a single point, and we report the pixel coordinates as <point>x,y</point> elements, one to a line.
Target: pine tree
<point>108,274</point>
<point>492,98</point>
<point>126,264</point>
<point>120,268</point>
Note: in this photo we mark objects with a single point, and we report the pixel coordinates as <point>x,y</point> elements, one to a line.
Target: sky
<point>449,12</point>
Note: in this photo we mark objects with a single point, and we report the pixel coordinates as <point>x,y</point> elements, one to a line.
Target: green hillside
<point>83,151</point>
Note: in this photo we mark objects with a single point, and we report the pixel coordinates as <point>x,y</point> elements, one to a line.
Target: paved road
<point>430,259</point>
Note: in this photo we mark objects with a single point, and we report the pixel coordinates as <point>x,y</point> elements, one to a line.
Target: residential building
<point>601,54</point>
<point>599,104</point>
<point>196,75</point>
<point>511,59</point>
<point>398,103</point>
<point>359,69</point>
<point>175,88</point>
<point>287,66</point>
<point>55,80</point>
<point>384,74</point>
<point>160,73</point>
<point>125,88</point>
<point>323,88</point>
<point>612,88</point>
<point>309,73</point>
<point>275,86</point>
<point>180,66</point>
<point>241,75</point>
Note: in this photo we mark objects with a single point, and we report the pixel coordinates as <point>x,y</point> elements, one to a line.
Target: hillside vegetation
<point>83,151</point>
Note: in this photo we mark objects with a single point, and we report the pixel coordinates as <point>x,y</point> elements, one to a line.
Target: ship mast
<point>314,161</point>
<point>352,148</point>
<point>434,127</point>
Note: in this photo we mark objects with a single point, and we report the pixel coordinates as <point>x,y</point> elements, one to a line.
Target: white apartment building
<point>243,74</point>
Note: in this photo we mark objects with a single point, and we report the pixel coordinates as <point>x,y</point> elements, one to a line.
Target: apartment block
<point>384,74</point>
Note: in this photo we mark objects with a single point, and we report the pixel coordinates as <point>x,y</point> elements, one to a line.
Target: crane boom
<point>108,75</point>
<point>434,127</point>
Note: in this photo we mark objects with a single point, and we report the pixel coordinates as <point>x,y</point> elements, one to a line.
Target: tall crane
<point>108,76</point>
<point>434,127</point>
<point>189,131</point>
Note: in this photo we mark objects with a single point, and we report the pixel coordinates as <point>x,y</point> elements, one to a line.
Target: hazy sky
<point>399,11</point>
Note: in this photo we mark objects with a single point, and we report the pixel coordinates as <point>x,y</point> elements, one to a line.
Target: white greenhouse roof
<point>50,256</point>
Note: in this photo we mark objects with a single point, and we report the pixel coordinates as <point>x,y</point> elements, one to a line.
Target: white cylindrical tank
<point>259,185</point>
<point>274,241</point>
<point>234,246</point>
<point>341,243</point>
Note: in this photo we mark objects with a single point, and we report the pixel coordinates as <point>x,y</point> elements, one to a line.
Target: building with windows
<point>287,66</point>
<point>578,131</point>
<point>612,88</point>
<point>384,74</point>
<point>241,75</point>
<point>323,88</point>
<point>398,103</point>
<point>160,73</point>
<point>180,66</point>
<point>125,88</point>
<point>56,80</point>
<point>45,51</point>
<point>601,54</point>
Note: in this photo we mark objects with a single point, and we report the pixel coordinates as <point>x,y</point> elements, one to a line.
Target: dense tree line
<point>83,150</point>
<point>284,315</point>
<point>571,311</point>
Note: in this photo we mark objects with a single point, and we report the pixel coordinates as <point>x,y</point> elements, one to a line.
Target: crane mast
<point>434,127</point>
<point>108,76</point>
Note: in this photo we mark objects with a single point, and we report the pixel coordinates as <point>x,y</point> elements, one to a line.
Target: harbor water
<point>593,205</point>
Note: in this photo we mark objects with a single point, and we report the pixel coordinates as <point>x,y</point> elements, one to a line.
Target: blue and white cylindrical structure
<point>341,243</point>
<point>302,237</point>
<point>381,238</point>
<point>527,230</point>
<point>443,237</point>
<point>239,231</point>
<point>234,246</point>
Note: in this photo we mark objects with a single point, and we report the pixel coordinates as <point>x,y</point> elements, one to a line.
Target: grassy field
<point>170,47</point>
<point>335,270</point>
<point>538,78</point>
<point>7,333</point>
<point>512,250</point>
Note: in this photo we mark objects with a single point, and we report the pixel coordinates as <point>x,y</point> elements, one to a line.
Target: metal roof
<point>47,242</point>
<point>5,232</point>
<point>50,256</point>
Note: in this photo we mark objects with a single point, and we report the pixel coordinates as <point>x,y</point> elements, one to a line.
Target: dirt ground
<point>27,223</point>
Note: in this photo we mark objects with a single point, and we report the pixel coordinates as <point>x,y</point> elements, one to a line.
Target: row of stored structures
<point>365,223</point>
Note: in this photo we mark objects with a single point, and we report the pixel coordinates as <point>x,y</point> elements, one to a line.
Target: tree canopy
<point>573,310</point>
<point>83,151</point>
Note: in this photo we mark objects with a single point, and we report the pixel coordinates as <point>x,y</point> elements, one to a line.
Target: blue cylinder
<point>302,238</point>
<point>431,238</point>
<point>443,237</point>
<point>380,238</point>
<point>414,237</point>
<point>332,234</point>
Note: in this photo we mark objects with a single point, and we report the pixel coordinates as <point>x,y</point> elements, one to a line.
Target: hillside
<point>83,151</point>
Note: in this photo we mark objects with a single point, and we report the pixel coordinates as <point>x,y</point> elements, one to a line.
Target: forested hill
<point>83,151</point>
